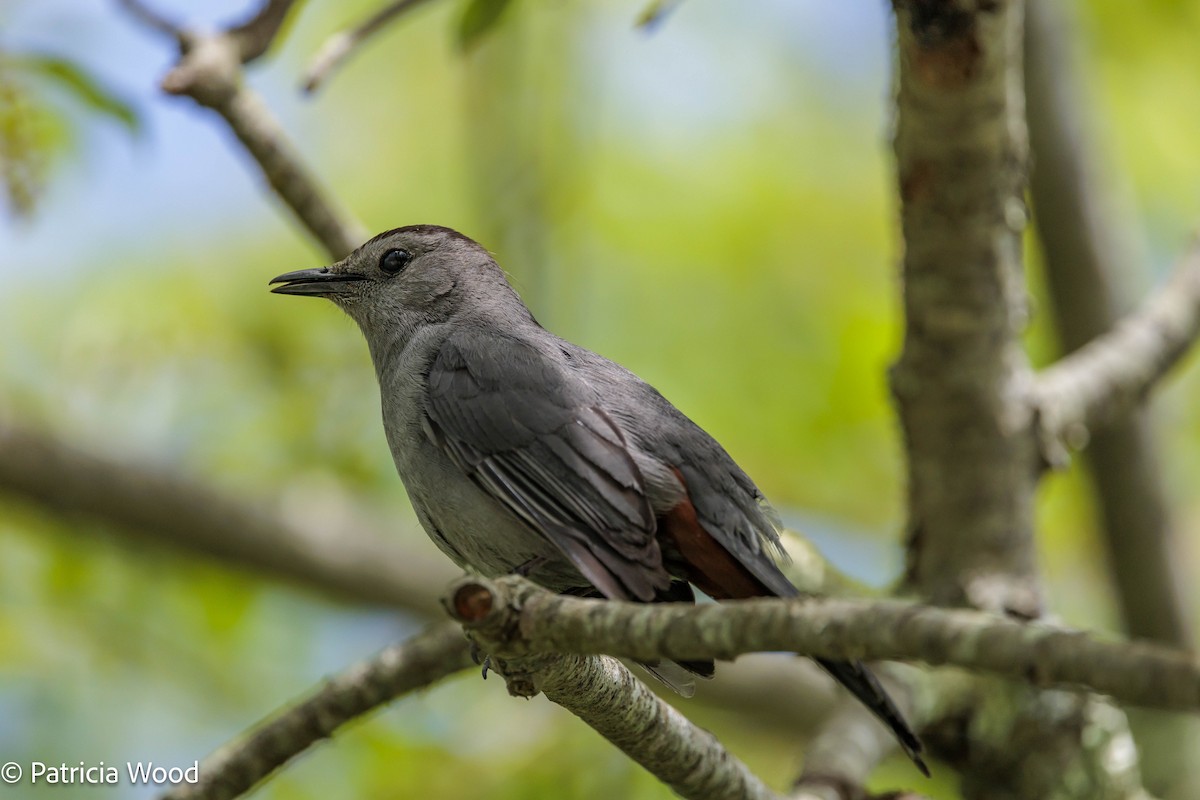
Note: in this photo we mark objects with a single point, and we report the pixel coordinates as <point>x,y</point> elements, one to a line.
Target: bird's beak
<point>317,282</point>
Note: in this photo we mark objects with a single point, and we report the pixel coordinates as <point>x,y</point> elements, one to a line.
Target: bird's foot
<point>481,658</point>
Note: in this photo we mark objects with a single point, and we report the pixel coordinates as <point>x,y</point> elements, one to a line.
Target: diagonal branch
<point>599,690</point>
<point>1116,370</point>
<point>150,18</point>
<point>343,44</point>
<point>605,694</point>
<point>425,659</point>
<point>255,35</point>
<point>537,621</point>
<point>335,555</point>
<point>209,71</point>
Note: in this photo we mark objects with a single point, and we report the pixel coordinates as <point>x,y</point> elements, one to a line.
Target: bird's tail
<point>865,686</point>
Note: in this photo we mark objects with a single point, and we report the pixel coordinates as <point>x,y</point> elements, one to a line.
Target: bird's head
<point>400,279</point>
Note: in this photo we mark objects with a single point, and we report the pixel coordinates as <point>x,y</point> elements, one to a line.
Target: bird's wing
<point>530,434</point>
<point>732,510</point>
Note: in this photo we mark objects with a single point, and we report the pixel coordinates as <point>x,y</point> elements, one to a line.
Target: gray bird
<point>522,451</point>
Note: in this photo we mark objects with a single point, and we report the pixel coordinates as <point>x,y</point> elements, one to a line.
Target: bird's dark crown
<point>421,230</point>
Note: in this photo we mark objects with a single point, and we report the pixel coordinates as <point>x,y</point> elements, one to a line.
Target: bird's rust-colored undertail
<point>706,561</point>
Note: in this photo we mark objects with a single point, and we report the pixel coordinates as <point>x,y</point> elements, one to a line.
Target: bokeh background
<point>709,203</point>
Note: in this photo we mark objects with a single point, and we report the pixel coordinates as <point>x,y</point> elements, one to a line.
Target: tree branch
<point>1110,375</point>
<point>1086,246</point>
<point>254,36</point>
<point>343,44</point>
<point>343,556</point>
<point>235,768</point>
<point>150,18</point>
<point>607,696</point>
<point>536,621</point>
<point>962,379</point>
<point>334,555</point>
<point>210,72</point>
<point>329,549</point>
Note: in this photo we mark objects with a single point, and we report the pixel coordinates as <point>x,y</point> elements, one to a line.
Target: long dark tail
<point>865,686</point>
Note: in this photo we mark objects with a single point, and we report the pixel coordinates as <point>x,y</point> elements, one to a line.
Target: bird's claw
<point>481,658</point>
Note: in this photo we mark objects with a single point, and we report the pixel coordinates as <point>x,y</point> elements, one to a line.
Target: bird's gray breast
<point>475,530</point>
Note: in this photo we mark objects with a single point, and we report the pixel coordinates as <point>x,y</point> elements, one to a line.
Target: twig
<point>425,659</point>
<point>540,622</point>
<point>335,553</point>
<point>343,44</point>
<point>1112,373</point>
<point>151,18</point>
<point>254,36</point>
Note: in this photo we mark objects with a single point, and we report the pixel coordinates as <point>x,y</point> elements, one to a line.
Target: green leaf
<point>80,85</point>
<point>478,19</point>
<point>32,136</point>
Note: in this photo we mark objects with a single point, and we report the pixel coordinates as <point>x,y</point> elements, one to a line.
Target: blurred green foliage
<point>478,19</point>
<point>36,93</point>
<point>736,250</point>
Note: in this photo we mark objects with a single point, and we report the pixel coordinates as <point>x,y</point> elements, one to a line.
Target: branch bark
<point>609,698</point>
<point>1013,742</point>
<point>962,380</point>
<point>425,659</point>
<point>536,621</point>
<point>1111,374</point>
<point>604,694</point>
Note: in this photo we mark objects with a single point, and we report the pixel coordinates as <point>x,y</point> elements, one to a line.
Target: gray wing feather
<point>736,514</point>
<point>729,506</point>
<point>533,438</point>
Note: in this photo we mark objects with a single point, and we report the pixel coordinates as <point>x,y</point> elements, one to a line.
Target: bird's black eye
<point>393,261</point>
